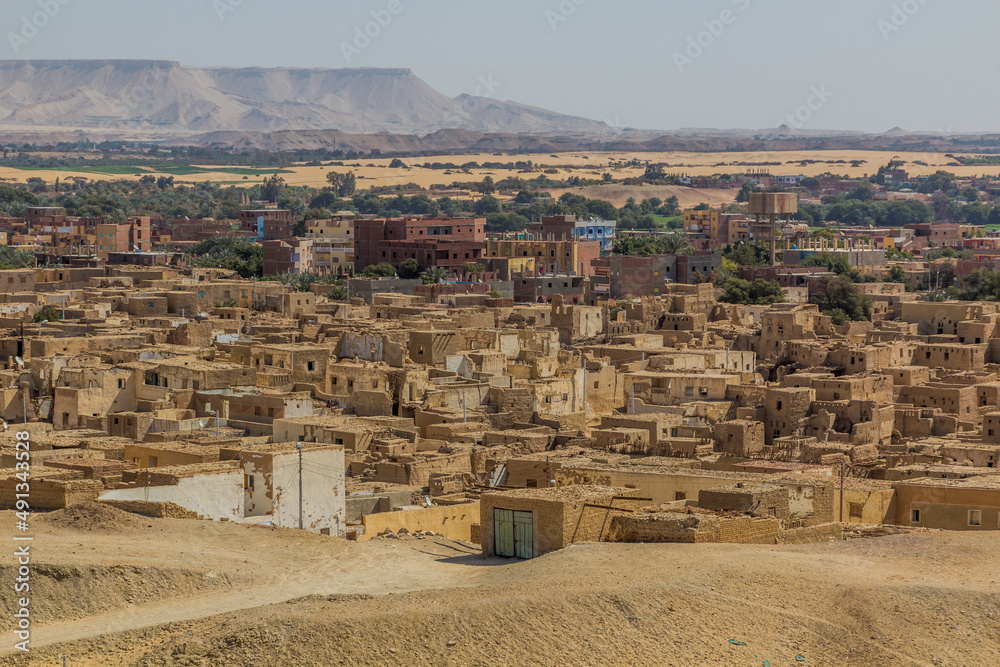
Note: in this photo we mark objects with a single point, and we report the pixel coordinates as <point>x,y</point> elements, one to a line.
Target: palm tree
<point>434,274</point>
<point>676,243</point>
<point>337,294</point>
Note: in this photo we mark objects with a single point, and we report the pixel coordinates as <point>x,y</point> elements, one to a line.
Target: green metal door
<point>503,532</point>
<point>523,545</point>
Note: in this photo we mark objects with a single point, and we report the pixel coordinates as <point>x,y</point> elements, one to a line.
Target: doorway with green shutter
<point>512,533</point>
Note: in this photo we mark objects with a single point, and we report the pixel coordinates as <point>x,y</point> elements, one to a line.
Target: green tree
<point>238,254</point>
<point>337,294</point>
<point>409,269</point>
<point>896,275</point>
<point>487,187</point>
<point>839,293</point>
<point>486,204</point>
<point>675,243</point>
<point>980,285</point>
<point>836,263</point>
<point>342,184</point>
<point>758,292</point>
<point>11,258</point>
<point>383,270</point>
<point>746,254</point>
<point>744,194</point>
<point>810,183</point>
<point>940,181</point>
<point>272,188</point>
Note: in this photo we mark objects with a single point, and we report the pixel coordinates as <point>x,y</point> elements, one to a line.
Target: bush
<point>383,270</point>
<point>758,292</point>
<point>47,314</point>
<point>409,269</point>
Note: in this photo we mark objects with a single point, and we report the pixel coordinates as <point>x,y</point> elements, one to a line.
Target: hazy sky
<point>838,64</point>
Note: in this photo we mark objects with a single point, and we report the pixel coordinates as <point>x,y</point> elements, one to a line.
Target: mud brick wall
<point>158,510</point>
<point>51,494</point>
<point>653,529</point>
<point>749,530</point>
<point>760,500</point>
<point>831,532</point>
<point>695,529</point>
<point>519,402</point>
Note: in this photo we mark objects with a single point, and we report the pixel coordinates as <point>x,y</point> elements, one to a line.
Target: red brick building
<point>278,224</point>
<point>445,242</point>
<point>132,236</point>
<point>185,229</point>
<point>291,256</point>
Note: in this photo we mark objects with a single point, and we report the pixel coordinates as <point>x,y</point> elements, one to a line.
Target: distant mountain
<point>170,99</point>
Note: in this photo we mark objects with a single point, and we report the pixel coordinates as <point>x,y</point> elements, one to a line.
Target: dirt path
<point>292,598</point>
<point>265,567</point>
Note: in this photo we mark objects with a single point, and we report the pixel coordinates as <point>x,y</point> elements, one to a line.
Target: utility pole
<point>841,492</point>
<point>299,447</point>
<point>465,416</point>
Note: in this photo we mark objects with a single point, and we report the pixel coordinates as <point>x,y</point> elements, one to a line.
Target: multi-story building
<point>445,242</point>
<point>131,236</point>
<point>568,257</point>
<point>268,224</point>
<point>187,230</point>
<point>734,228</point>
<point>717,226</point>
<point>703,223</point>
<point>333,245</point>
<point>941,234</point>
<point>46,216</point>
<point>648,275</point>
<point>288,256</point>
<point>567,227</point>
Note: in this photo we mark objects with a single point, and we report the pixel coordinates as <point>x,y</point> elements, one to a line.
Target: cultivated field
<point>592,165</point>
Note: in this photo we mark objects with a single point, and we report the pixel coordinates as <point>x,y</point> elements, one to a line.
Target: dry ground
<point>589,165</point>
<point>217,594</point>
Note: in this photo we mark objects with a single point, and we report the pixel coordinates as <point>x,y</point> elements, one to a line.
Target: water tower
<point>771,211</point>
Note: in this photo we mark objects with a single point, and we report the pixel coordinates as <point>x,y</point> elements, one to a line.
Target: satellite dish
<point>19,362</point>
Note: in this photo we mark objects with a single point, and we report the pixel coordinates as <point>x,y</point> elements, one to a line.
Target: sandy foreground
<point>109,588</point>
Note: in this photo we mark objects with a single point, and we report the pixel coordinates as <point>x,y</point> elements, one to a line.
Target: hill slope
<point>163,95</point>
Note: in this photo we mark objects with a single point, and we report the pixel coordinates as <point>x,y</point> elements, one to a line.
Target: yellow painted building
<point>333,245</point>
<point>702,223</point>
<point>563,257</point>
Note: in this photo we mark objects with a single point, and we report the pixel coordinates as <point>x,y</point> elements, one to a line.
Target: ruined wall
<point>51,494</point>
<point>694,528</point>
<point>452,521</point>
